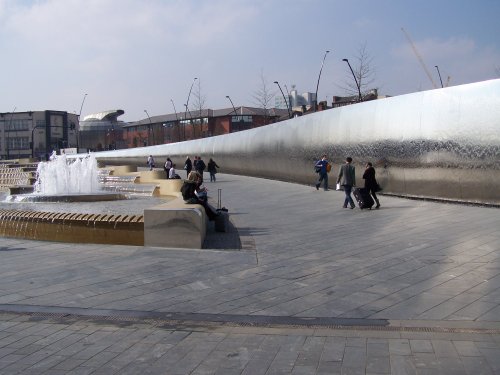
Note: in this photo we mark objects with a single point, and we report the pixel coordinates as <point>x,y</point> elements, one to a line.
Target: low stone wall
<point>175,224</point>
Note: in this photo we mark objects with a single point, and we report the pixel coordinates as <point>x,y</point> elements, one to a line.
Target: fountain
<point>69,182</point>
<point>64,180</point>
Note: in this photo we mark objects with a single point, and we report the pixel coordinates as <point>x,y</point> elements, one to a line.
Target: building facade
<point>102,131</point>
<point>178,127</point>
<point>35,134</point>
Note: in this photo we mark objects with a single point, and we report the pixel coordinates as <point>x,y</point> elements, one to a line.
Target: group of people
<point>346,178</point>
<point>198,165</point>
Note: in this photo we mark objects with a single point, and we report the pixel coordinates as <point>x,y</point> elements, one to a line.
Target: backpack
<point>185,191</point>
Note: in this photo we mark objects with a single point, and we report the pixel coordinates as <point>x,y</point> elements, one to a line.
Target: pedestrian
<point>194,193</point>
<point>167,166</point>
<point>150,162</point>
<point>321,167</point>
<point>200,166</point>
<point>371,184</point>
<point>212,169</point>
<point>188,166</point>
<point>195,161</point>
<point>347,179</point>
<point>172,173</point>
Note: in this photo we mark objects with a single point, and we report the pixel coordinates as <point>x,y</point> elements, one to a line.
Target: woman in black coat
<point>371,183</point>
<point>192,193</point>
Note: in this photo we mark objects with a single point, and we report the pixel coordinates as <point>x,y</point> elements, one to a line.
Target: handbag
<point>338,187</point>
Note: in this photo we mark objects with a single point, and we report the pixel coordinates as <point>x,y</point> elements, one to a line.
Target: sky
<point>143,55</point>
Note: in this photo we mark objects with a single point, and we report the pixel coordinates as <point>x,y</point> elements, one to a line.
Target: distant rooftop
<point>111,115</point>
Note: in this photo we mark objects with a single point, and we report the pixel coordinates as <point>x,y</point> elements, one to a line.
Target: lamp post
<point>190,120</point>
<point>234,109</point>
<point>235,113</point>
<point>439,74</point>
<point>360,98</point>
<point>187,104</point>
<point>149,127</point>
<point>286,101</point>
<point>177,120</point>
<point>8,130</point>
<point>317,85</point>
<point>78,130</point>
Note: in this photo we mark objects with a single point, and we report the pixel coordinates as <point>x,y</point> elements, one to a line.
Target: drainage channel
<point>181,320</point>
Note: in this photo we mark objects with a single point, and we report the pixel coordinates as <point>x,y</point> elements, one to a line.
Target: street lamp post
<point>234,109</point>
<point>149,127</point>
<point>78,130</point>
<point>286,101</point>
<point>235,113</point>
<point>177,120</point>
<point>187,106</point>
<point>439,74</point>
<point>360,98</point>
<point>8,130</point>
<point>190,120</point>
<point>317,85</point>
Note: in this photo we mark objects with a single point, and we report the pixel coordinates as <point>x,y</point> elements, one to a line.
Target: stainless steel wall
<point>442,143</point>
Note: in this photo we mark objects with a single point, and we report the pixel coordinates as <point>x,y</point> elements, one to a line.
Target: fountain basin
<point>91,197</point>
<point>73,227</point>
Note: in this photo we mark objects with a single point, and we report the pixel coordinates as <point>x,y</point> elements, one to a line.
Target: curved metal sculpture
<point>440,143</point>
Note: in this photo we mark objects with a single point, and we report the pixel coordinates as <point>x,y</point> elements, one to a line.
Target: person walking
<point>200,166</point>
<point>321,168</point>
<point>188,166</point>
<point>167,166</point>
<point>212,169</point>
<point>347,178</point>
<point>151,162</point>
<point>371,184</point>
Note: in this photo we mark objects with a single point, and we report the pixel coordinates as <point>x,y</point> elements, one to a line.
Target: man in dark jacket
<point>321,166</point>
<point>371,183</point>
<point>200,166</point>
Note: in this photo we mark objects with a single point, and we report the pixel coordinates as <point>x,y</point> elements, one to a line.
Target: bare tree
<point>263,95</point>
<point>362,65</point>
<point>497,70</point>
<point>199,100</point>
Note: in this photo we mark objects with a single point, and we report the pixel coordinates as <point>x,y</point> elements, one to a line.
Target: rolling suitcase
<point>363,198</point>
<point>222,218</point>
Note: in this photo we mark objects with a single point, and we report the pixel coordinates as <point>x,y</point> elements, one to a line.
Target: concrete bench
<point>172,224</point>
<point>175,223</point>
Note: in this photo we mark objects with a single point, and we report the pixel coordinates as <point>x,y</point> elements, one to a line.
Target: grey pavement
<point>298,286</point>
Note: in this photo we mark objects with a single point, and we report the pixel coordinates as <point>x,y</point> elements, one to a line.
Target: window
<point>18,125</point>
<point>18,143</point>
<point>241,119</point>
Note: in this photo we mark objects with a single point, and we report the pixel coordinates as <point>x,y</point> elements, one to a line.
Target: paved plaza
<point>298,286</point>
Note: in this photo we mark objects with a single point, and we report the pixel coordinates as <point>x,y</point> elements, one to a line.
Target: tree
<point>362,65</point>
<point>497,70</point>
<point>264,95</point>
<point>199,100</point>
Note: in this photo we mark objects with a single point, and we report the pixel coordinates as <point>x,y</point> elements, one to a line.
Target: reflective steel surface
<point>441,143</point>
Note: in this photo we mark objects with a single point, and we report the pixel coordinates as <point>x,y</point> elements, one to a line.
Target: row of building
<point>36,134</point>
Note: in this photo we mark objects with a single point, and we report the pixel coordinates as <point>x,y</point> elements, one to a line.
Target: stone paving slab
<point>35,345</point>
<point>299,254</point>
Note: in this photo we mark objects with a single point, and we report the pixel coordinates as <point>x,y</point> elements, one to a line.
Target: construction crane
<point>419,58</point>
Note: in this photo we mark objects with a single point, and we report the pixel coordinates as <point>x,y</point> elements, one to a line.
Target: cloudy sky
<point>141,55</point>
